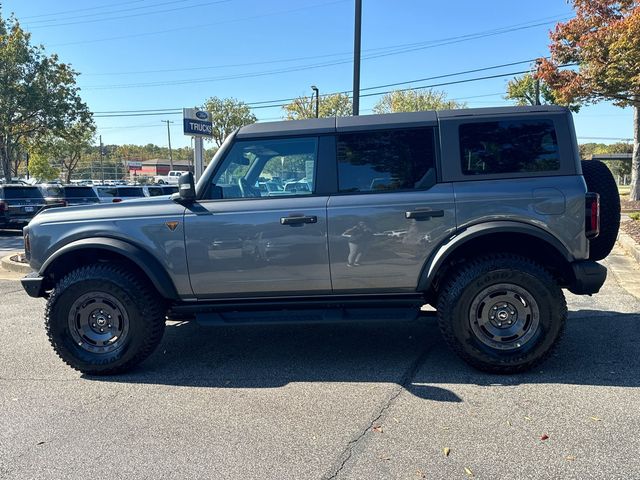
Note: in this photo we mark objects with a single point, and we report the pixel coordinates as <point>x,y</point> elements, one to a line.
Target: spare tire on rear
<point>600,180</point>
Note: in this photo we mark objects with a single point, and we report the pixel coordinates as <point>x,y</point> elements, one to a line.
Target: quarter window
<point>508,147</point>
<point>383,161</point>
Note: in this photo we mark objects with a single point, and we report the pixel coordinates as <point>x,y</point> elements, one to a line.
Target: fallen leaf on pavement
<point>384,457</point>
<point>420,474</point>
<point>544,437</point>
<point>468,471</point>
<point>377,428</point>
<point>569,458</point>
<point>40,443</point>
<point>446,451</point>
<point>527,418</point>
<point>509,422</point>
<point>596,419</point>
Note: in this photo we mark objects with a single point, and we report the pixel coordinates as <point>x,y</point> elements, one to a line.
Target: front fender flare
<point>142,258</point>
<point>446,248</point>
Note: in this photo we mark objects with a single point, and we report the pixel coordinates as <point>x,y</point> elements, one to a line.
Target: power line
<point>82,9</point>
<point>62,16</point>
<point>308,66</point>
<point>204,4</point>
<point>255,104</point>
<point>365,95</point>
<point>194,27</point>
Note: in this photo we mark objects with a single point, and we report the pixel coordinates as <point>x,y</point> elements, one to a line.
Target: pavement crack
<point>404,382</point>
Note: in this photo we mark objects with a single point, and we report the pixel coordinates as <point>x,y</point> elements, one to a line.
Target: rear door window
<point>510,146</point>
<point>386,161</point>
<point>131,192</point>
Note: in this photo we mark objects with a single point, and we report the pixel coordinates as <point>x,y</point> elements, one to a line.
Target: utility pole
<point>317,92</point>
<point>169,137</point>
<point>356,58</point>
<point>101,159</point>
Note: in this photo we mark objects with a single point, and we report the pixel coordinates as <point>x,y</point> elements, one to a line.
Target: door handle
<point>294,220</point>
<point>423,214</point>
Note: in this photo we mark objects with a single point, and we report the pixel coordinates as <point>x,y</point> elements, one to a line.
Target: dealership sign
<point>135,166</point>
<point>197,123</point>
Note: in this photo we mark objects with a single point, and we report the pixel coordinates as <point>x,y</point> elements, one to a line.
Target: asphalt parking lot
<point>320,402</point>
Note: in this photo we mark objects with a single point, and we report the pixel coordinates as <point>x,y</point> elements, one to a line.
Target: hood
<point>143,207</point>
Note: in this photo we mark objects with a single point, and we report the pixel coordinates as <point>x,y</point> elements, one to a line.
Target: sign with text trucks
<point>197,123</point>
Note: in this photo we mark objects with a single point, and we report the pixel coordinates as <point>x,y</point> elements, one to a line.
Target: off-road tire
<point>599,179</point>
<point>144,309</point>
<point>456,311</point>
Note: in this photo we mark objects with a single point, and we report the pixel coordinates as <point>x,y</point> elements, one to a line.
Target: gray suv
<point>484,214</point>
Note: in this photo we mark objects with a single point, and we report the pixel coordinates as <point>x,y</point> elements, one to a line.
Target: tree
<point>415,101</point>
<point>41,169</point>
<point>67,150</point>
<point>227,114</point>
<point>604,40</point>
<point>38,94</point>
<point>524,91</point>
<point>334,105</point>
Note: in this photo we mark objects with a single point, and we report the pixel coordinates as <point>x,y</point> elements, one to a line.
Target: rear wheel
<point>599,179</point>
<point>102,319</point>
<point>501,313</point>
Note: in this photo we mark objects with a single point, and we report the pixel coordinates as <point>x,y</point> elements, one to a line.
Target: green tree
<point>67,149</point>
<point>334,105</point>
<point>38,94</point>
<point>41,168</point>
<point>227,114</point>
<point>604,40</point>
<point>524,91</point>
<point>415,101</point>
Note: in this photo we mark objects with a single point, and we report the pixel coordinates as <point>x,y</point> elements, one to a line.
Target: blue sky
<point>169,54</point>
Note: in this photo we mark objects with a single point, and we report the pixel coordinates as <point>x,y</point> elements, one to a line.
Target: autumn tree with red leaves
<point>604,41</point>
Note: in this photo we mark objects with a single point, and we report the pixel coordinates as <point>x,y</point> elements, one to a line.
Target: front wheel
<point>502,313</point>
<point>102,319</point>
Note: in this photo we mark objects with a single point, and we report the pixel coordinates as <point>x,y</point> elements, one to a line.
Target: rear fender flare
<point>450,245</point>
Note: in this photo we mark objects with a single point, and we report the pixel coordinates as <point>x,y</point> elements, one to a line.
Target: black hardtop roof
<point>317,126</point>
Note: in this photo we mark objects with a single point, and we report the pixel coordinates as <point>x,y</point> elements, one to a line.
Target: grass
<point>624,189</point>
<point>634,216</point>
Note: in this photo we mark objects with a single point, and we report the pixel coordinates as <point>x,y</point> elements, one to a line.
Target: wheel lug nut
<point>499,324</point>
<point>93,325</point>
<point>102,329</point>
<point>108,316</point>
<point>109,325</point>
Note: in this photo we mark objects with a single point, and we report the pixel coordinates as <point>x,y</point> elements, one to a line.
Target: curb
<point>12,266</point>
<point>629,245</point>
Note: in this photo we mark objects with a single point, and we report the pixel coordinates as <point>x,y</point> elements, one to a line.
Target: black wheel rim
<point>504,317</point>
<point>98,322</point>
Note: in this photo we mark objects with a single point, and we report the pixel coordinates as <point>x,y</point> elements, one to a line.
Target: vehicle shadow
<point>599,348</point>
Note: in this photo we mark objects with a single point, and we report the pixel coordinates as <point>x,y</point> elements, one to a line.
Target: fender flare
<point>142,258</point>
<point>451,244</point>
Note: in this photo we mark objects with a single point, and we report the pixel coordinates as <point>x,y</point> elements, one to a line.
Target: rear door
<point>243,242</point>
<point>390,212</point>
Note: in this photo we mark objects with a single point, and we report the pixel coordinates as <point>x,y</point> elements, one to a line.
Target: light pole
<point>317,92</point>
<point>356,58</point>
<point>169,138</point>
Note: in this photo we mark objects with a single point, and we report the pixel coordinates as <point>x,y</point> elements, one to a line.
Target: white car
<point>170,179</point>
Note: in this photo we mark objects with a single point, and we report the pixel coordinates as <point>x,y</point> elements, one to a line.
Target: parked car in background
<point>53,195</point>
<point>171,178</point>
<point>19,204</point>
<point>159,190</point>
<point>119,193</point>
<point>79,195</point>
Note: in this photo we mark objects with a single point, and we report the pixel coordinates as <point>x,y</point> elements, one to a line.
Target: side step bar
<point>303,310</point>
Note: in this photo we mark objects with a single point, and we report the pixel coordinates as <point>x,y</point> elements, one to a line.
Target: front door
<point>260,239</point>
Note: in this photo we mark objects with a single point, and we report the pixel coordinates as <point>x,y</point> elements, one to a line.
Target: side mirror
<point>186,189</point>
